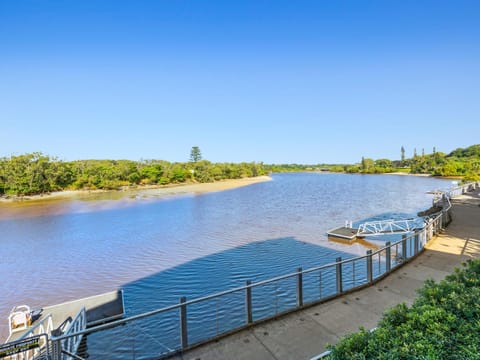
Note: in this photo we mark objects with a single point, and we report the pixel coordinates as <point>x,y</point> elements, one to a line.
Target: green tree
<point>383,165</point>
<point>195,154</point>
<point>402,151</point>
<point>368,165</point>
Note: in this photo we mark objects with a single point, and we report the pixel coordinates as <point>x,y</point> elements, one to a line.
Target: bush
<point>443,323</point>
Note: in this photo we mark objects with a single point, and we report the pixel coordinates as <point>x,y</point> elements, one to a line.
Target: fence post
<point>183,323</point>
<point>248,302</point>
<point>339,275</point>
<point>416,242</point>
<point>56,350</point>
<point>299,287</point>
<point>404,247</point>
<point>388,255</point>
<point>369,266</point>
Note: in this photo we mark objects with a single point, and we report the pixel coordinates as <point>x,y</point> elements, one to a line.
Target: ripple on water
<point>159,250</point>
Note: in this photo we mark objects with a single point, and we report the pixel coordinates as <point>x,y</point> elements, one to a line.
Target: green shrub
<point>443,323</point>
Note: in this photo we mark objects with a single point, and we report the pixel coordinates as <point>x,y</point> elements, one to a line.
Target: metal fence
<point>196,321</point>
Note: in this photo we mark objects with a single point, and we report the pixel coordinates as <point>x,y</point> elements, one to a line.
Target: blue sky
<point>273,81</point>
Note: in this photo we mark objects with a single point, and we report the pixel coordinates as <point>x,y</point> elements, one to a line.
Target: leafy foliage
<point>443,323</point>
<point>36,173</point>
<point>460,162</point>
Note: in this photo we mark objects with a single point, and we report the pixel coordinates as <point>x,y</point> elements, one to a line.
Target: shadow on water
<point>220,271</point>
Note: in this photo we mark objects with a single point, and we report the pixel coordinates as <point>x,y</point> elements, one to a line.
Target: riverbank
<point>142,191</point>
<point>407,174</point>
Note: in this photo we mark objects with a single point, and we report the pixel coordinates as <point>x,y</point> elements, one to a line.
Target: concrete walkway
<point>304,334</point>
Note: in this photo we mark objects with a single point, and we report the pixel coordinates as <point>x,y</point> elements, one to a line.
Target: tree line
<point>37,173</point>
<point>464,162</point>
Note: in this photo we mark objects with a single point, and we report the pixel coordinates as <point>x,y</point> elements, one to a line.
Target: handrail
<point>70,343</point>
<point>429,229</point>
<point>383,227</point>
<point>440,196</point>
<point>215,295</point>
<point>37,330</point>
<point>41,328</point>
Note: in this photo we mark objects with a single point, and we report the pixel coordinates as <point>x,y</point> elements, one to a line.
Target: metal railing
<point>39,332</point>
<point>384,227</point>
<point>434,224</point>
<point>162,332</point>
<point>71,338</point>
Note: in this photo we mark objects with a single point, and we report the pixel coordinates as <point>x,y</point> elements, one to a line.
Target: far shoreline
<point>400,173</point>
<point>157,190</point>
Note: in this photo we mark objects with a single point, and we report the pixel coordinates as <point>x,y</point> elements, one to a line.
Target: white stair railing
<point>70,344</point>
<point>44,327</point>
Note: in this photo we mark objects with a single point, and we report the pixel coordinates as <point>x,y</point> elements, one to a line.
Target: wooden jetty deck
<point>99,309</point>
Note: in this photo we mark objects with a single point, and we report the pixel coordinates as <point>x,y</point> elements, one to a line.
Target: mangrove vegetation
<point>37,173</point>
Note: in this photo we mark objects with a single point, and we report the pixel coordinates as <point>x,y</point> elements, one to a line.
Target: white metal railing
<point>73,336</point>
<point>384,227</point>
<point>43,327</point>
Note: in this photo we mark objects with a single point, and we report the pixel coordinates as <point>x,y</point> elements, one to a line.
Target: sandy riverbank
<point>141,191</point>
<point>407,174</point>
<point>92,201</point>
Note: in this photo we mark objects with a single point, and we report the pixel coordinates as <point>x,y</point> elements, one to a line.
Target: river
<point>158,249</point>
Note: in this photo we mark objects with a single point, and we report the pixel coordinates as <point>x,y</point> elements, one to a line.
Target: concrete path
<point>304,334</point>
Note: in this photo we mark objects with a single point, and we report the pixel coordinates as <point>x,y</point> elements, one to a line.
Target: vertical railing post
<point>388,256</point>
<point>183,323</point>
<point>248,302</point>
<point>369,266</point>
<point>299,287</point>
<point>416,243</point>
<point>404,247</point>
<point>320,283</point>
<point>338,267</point>
<point>56,349</point>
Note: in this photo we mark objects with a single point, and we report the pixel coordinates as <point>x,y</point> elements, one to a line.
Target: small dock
<point>98,309</point>
<point>343,232</point>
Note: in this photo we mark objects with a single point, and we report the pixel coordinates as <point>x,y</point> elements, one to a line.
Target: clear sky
<point>274,81</point>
